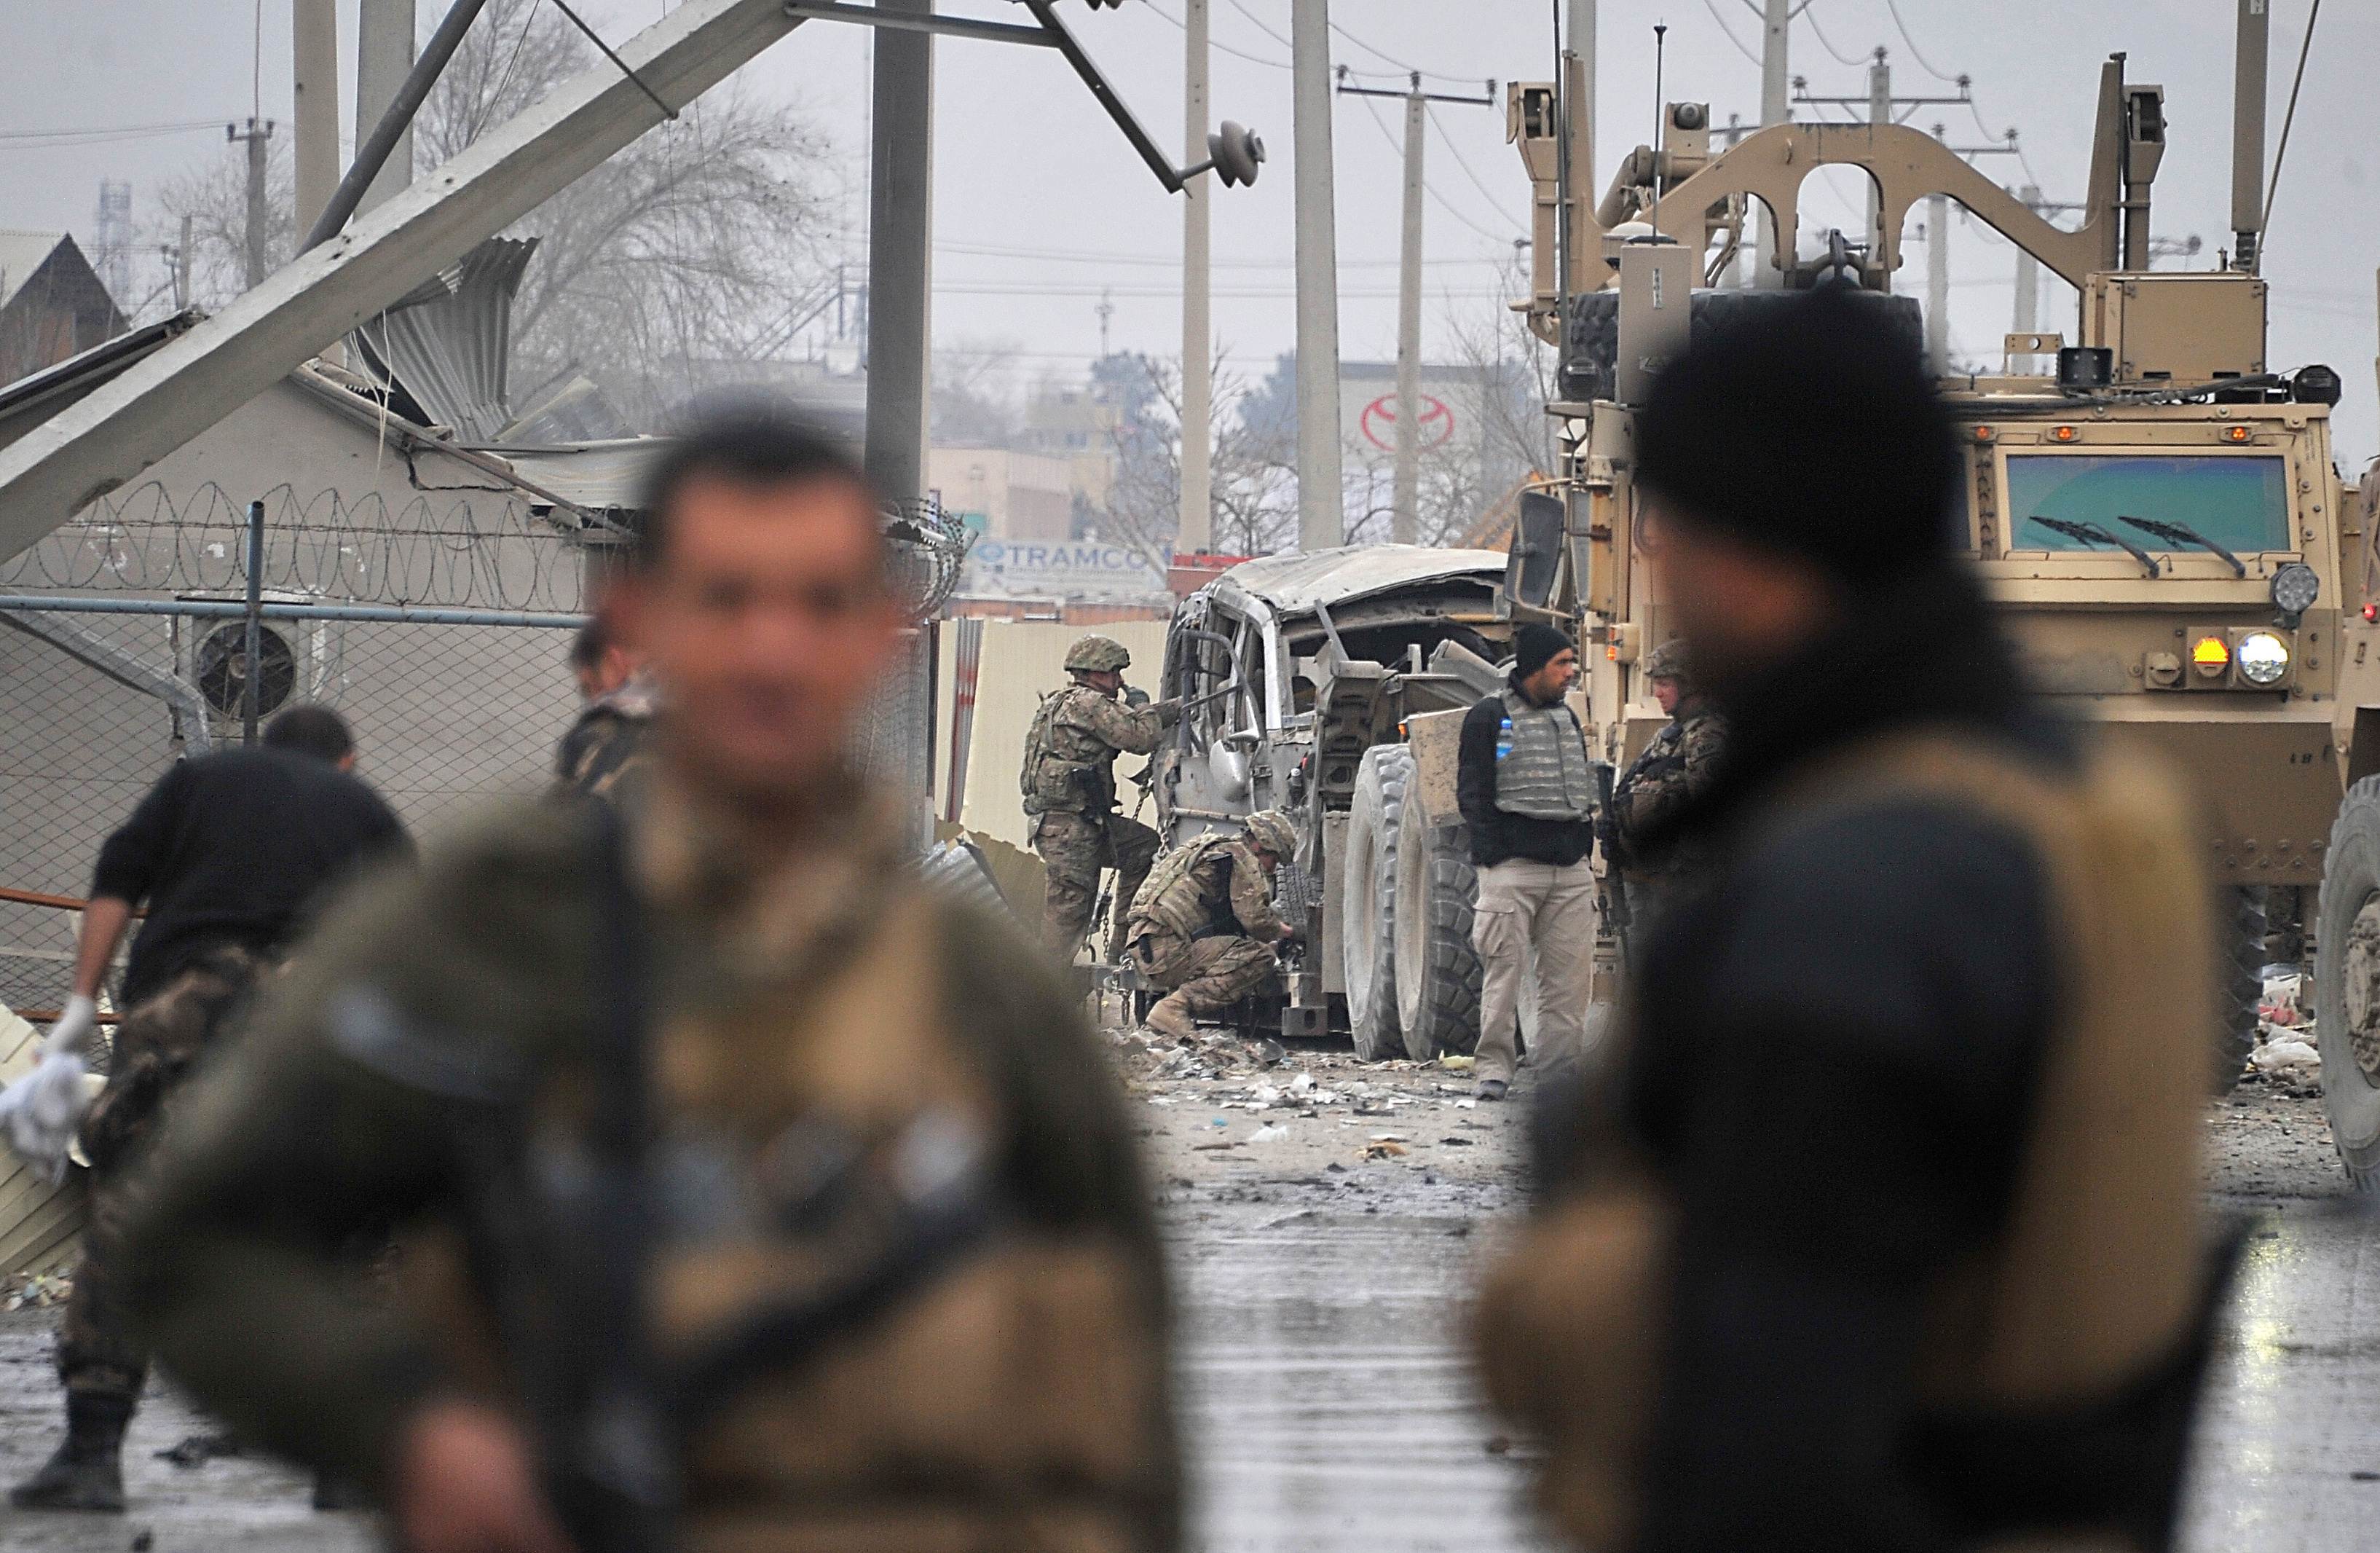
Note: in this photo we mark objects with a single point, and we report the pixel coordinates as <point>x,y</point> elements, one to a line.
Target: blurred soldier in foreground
<point>229,852</point>
<point>610,736</point>
<point>1675,768</point>
<point>1526,790</point>
<point>1890,1236</point>
<point>790,1206</point>
<point>1068,781</point>
<point>1204,927</point>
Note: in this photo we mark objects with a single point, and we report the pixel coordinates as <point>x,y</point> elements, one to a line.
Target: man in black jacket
<point>1893,1240</point>
<point>1526,790</point>
<point>229,852</point>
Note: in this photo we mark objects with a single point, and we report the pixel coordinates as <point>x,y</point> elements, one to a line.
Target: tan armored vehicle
<point>2153,504</point>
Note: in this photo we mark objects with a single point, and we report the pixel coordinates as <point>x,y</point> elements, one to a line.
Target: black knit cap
<point>1534,647</point>
<point>1808,427</point>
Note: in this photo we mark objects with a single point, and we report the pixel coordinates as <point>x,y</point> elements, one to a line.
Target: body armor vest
<point>1012,1371</point>
<point>1065,769</point>
<point>2097,1279</point>
<point>1541,766</point>
<point>1173,901</point>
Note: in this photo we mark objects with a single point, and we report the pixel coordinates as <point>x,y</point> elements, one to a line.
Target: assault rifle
<point>1612,893</point>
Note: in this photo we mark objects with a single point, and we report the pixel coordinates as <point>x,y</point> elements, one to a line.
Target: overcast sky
<point>1040,208</point>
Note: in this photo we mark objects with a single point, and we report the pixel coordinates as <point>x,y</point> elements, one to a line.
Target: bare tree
<point>695,250</point>
<point>1252,465</point>
<point>970,401</point>
<point>214,196</point>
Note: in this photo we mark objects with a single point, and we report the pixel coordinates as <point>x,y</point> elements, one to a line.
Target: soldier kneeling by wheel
<point>1204,927</point>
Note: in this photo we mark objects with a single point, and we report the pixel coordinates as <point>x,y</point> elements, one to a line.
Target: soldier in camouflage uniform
<point>1204,926</point>
<point>1675,767</point>
<point>753,1194</point>
<point>1068,781</point>
<point>609,741</point>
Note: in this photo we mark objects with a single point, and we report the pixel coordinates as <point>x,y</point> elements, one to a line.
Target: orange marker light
<point>2371,611</point>
<point>2235,433</point>
<point>2061,434</point>
<point>2211,654</point>
<point>1984,433</point>
<point>1612,652</point>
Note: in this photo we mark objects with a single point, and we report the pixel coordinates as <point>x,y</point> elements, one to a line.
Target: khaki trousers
<point>1549,908</point>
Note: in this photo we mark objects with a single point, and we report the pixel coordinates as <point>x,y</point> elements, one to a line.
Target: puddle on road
<point>1326,1395</point>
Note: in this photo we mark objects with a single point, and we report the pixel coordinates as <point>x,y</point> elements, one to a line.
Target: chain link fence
<point>122,649</point>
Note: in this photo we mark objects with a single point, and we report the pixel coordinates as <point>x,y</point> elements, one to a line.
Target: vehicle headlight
<point>2295,587</point>
<point>2263,658</point>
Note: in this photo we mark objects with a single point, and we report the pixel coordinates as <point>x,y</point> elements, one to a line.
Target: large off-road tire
<point>2242,976</point>
<point>2347,983</point>
<point>1368,895</point>
<point>1437,970</point>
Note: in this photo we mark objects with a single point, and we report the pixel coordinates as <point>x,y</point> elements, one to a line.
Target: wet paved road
<point>1329,1407</point>
<point>2288,1458</point>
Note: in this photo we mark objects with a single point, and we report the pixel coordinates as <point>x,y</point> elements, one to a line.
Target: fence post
<point>249,690</point>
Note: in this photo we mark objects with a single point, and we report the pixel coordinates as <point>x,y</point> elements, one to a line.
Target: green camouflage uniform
<point>611,740</point>
<point>1675,767</point>
<point>1204,925</point>
<point>162,1038</point>
<point>1016,1395</point>
<point>1070,794</point>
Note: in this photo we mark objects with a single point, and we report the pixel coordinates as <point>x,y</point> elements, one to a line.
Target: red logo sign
<point>1380,421</point>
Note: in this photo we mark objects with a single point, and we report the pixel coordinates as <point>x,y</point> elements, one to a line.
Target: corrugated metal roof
<point>448,341</point>
<point>36,396</point>
<point>607,477</point>
<point>1292,584</point>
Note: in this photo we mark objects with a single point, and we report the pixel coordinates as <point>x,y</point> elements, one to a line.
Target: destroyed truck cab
<point>2152,508</point>
<point>1301,674</point>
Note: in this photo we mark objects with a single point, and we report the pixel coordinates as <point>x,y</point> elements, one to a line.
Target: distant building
<point>1004,494</point>
<point>52,304</point>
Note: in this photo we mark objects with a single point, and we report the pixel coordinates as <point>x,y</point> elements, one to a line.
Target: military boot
<point>1171,1016</point>
<point>86,1472</point>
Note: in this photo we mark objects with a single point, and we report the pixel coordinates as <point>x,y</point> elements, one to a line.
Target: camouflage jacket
<point>609,740</point>
<point>444,1022</point>
<point>1676,766</point>
<point>1213,886</point>
<point>1071,749</point>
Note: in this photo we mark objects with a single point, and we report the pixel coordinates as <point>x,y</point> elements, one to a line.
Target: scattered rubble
<point>2287,1056</point>
<point>35,1291</point>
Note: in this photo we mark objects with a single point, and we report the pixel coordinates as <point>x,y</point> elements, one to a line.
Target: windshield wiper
<point>2175,533</point>
<point>2093,533</point>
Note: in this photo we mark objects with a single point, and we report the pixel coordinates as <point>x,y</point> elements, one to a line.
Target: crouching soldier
<point>1070,793</point>
<point>1204,927</point>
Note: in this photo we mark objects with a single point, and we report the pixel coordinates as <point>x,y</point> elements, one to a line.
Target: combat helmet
<point>1097,655</point>
<point>1270,831</point>
<point>1668,661</point>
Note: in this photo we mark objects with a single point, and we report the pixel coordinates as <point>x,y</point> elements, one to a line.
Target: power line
<point>1402,65</point>
<point>1823,42</point>
<point>1902,28</point>
<point>1730,34</point>
<point>1180,26</point>
<point>1444,204</point>
<point>39,140</point>
<point>1154,260</point>
<point>1447,142</point>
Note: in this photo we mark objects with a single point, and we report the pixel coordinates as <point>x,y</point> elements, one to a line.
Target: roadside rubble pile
<point>2287,1056</point>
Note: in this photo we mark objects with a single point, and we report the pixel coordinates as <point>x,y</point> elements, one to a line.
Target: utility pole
<point>384,33</point>
<point>1195,531</point>
<point>1321,511</point>
<point>314,53</point>
<point>1404,509</point>
<point>900,235</point>
<point>1775,108</point>
<point>1881,104</point>
<point>257,133</point>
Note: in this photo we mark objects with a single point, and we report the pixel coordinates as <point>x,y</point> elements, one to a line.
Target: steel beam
<point>104,657</point>
<point>69,462</point>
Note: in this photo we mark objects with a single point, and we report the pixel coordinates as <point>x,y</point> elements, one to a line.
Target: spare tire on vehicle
<point>1590,363</point>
